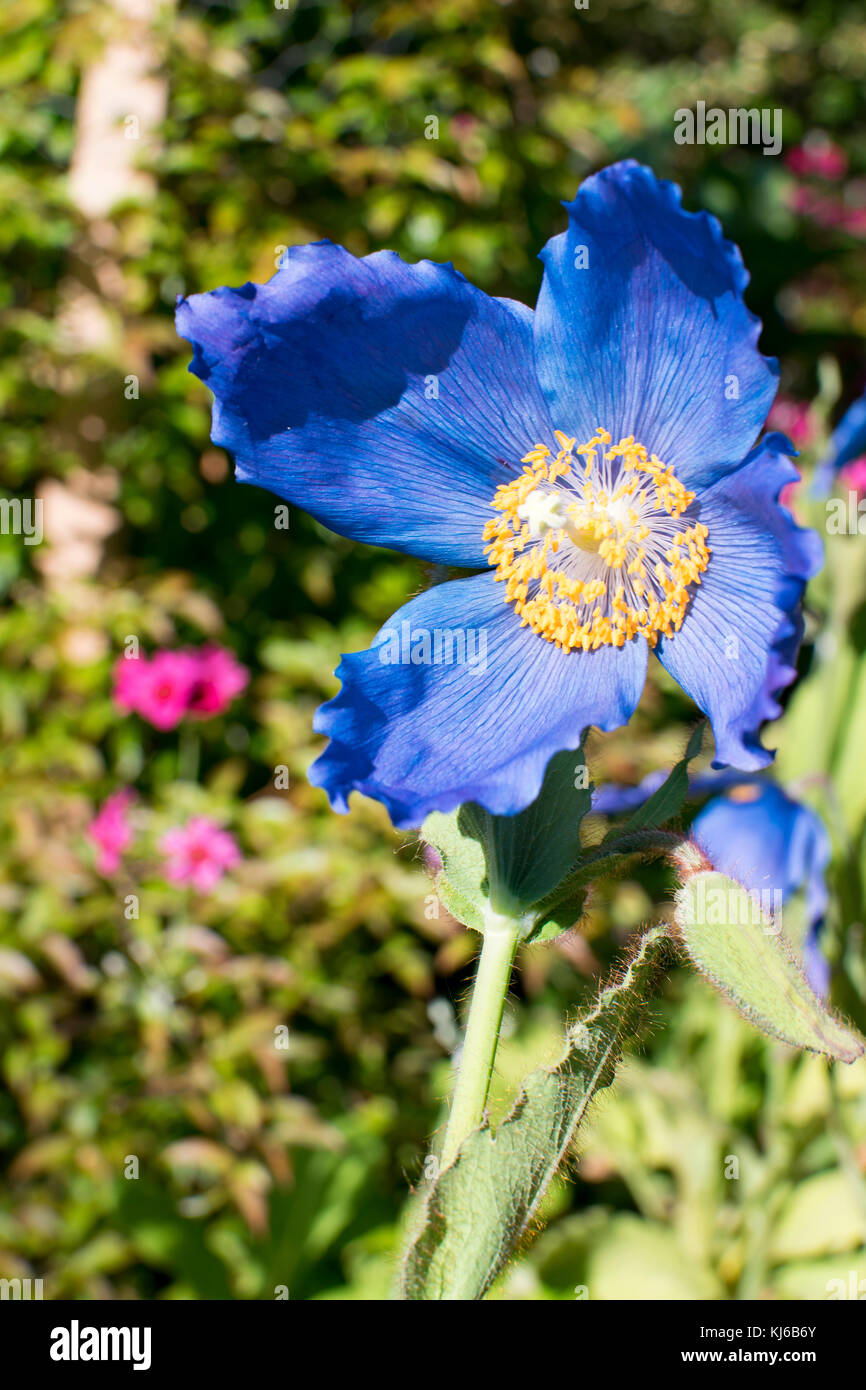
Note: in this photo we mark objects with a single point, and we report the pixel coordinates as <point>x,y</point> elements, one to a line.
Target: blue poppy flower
<point>595,460</point>
<point>753,831</point>
<point>847,444</point>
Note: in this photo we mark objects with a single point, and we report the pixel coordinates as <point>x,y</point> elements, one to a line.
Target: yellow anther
<point>595,558</point>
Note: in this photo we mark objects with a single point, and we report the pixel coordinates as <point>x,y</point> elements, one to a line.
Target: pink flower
<point>219,679</point>
<point>819,157</point>
<point>464,124</point>
<point>127,677</point>
<point>171,684</point>
<point>793,418</point>
<point>111,832</point>
<point>159,688</point>
<point>199,853</point>
<point>854,221</point>
<point>832,211</point>
<point>853,475</point>
<point>826,211</point>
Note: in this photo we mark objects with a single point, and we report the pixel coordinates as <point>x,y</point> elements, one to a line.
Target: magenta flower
<point>159,688</point>
<point>854,221</point>
<point>166,687</point>
<point>853,475</point>
<point>111,832</point>
<point>127,680</point>
<point>831,212</point>
<point>826,211</point>
<point>219,679</point>
<point>793,418</point>
<point>819,157</point>
<point>199,853</point>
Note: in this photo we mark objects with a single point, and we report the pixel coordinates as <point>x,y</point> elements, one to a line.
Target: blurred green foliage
<point>152,1038</point>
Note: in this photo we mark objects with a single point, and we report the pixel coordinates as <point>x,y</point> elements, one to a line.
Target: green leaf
<point>636,1259</point>
<point>462,882</point>
<point>667,800</point>
<point>849,784</point>
<point>824,1213</point>
<point>478,1209</point>
<point>507,864</point>
<point>814,718</point>
<point>745,955</point>
<point>559,911</point>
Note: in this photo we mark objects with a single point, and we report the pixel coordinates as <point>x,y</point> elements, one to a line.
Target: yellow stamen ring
<point>591,546</point>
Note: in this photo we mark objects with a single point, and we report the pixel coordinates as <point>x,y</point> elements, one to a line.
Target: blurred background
<point>219,1087</point>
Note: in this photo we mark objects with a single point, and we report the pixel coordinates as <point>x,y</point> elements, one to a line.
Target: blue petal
<point>322,378</point>
<point>817,967</point>
<point>649,338</point>
<point>614,798</point>
<point>736,648</point>
<point>767,842</point>
<point>847,443</point>
<point>425,737</point>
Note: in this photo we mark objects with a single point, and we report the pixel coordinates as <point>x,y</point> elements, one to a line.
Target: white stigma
<point>543,512</point>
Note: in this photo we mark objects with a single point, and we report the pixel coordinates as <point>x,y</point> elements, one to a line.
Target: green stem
<point>498,948</point>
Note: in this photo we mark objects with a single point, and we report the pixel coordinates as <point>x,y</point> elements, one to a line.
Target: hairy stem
<point>498,948</point>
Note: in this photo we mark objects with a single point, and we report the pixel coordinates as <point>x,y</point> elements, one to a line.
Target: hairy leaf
<point>745,955</point>
<point>507,864</point>
<point>478,1209</point>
